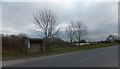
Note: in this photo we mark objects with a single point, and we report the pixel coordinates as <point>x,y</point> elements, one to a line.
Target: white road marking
<point>68,53</point>
<point>64,54</point>
<point>83,60</point>
<point>104,52</point>
<point>90,57</point>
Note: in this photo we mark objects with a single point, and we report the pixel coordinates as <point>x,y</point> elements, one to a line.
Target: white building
<point>112,38</point>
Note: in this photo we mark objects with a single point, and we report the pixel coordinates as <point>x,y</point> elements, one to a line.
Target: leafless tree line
<point>46,23</point>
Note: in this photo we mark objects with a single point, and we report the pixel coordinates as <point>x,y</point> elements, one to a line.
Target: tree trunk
<point>44,46</point>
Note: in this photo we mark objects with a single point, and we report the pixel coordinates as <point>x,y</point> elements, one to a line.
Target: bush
<point>12,44</point>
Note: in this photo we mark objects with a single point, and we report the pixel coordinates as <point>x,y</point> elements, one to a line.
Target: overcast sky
<point>101,18</point>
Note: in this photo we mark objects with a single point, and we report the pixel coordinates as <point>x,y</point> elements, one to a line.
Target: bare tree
<point>80,30</point>
<point>70,32</point>
<point>46,23</point>
<point>76,31</point>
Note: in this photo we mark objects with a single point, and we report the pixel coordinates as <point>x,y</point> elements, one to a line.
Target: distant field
<point>52,51</point>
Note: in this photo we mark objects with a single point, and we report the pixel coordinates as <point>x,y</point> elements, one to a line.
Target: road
<point>102,57</point>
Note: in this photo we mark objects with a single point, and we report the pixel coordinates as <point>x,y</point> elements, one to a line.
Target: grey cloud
<point>100,18</point>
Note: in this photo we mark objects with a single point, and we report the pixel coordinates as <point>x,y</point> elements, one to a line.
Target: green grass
<point>78,48</point>
<point>52,51</point>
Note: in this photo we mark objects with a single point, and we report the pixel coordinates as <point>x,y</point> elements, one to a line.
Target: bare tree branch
<point>46,23</point>
<point>76,31</point>
<point>70,32</point>
<point>80,30</point>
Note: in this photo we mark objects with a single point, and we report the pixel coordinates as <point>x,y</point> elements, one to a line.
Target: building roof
<point>114,37</point>
<point>35,39</point>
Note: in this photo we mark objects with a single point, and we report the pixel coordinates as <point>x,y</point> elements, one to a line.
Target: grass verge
<point>60,50</point>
